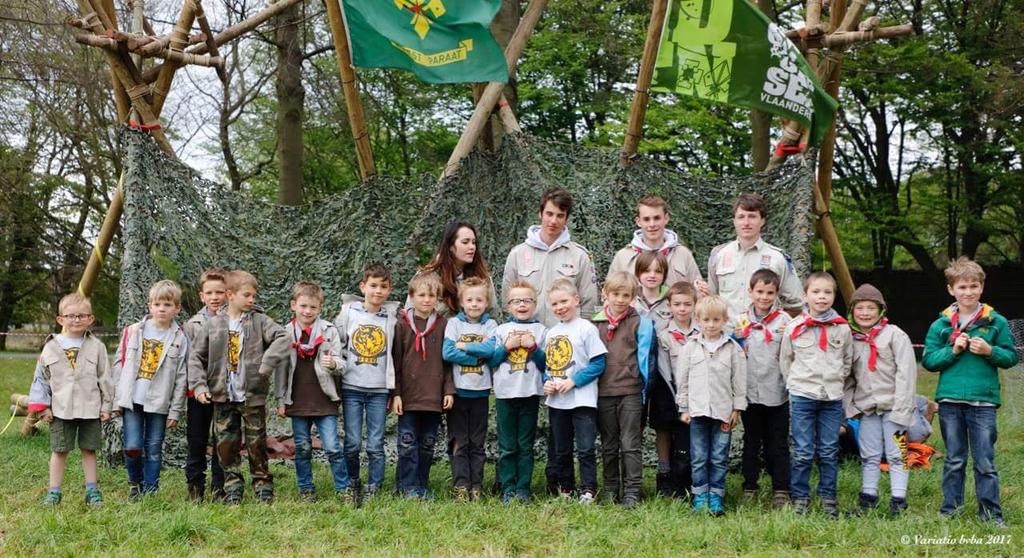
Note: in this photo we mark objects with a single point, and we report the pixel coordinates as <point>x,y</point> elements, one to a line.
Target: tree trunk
<point>290,99</point>
<point>760,121</point>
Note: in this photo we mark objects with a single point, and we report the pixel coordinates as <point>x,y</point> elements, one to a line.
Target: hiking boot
<point>232,498</point>
<point>897,505</point>
<point>508,497</point>
<point>306,496</point>
<point>780,498</point>
<point>552,487</point>
<point>460,494</point>
<point>801,505</point>
<point>831,507</point>
<point>630,501</point>
<point>265,495</point>
<point>700,502</point>
<point>587,496</point>
<point>867,503</point>
<point>475,494</point>
<point>195,493</point>
<point>716,505</point>
<point>135,493</point>
<point>663,485</point>
<point>93,497</point>
<point>349,497</point>
<point>217,493</point>
<point>1000,523</point>
<point>749,495</point>
<point>52,498</point>
<point>371,491</point>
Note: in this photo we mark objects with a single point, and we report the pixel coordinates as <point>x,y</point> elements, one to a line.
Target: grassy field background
<point>166,524</point>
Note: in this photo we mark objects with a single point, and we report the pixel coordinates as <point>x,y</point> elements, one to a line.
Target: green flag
<point>729,52</point>
<point>441,41</point>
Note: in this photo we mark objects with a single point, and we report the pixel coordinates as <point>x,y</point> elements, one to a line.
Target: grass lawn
<point>166,524</point>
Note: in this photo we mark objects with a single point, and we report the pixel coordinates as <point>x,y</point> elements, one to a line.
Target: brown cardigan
<point>422,384</point>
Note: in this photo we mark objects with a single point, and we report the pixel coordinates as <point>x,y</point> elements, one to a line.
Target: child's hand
<point>549,387</point>
<point>46,416</point>
<point>460,345</point>
<point>115,413</point>
<point>280,411</point>
<point>738,332</point>
<point>447,402</point>
<point>960,344</point>
<point>327,359</point>
<point>104,417</point>
<point>514,340</point>
<point>396,405</point>
<point>565,386</point>
<point>172,423</point>
<point>980,347</point>
<point>685,417</point>
<point>203,398</point>
<point>728,425</point>
<point>527,340</point>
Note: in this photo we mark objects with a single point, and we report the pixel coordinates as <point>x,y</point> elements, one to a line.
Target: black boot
<point>897,505</point>
<point>867,502</point>
<point>664,485</point>
<point>195,493</point>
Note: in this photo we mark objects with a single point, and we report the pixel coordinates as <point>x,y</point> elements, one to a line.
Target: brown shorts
<point>64,433</point>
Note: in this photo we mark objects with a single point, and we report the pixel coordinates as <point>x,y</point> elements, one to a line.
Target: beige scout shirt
<point>730,268</point>
<point>82,391</point>
<point>808,370</point>
<point>891,386</point>
<point>711,384</point>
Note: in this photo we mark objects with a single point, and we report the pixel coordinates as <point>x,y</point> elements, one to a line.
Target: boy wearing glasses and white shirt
<point>72,390</point>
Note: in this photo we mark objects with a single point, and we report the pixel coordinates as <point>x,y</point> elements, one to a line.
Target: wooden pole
<point>99,251</point>
<point>178,42</point>
<point>349,86</point>
<point>121,100</point>
<point>827,234</point>
<point>635,128</point>
<point>494,89</point>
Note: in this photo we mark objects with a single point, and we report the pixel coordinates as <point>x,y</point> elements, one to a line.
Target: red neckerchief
<point>810,322</point>
<point>761,324</point>
<point>613,323</point>
<point>306,350</point>
<point>869,338</point>
<point>955,321</point>
<point>420,344</point>
<point>682,336</point>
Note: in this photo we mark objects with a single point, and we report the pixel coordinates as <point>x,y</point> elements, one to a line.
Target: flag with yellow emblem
<point>441,41</point>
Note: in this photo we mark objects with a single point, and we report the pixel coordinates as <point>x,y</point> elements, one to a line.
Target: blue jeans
<point>966,426</point>
<point>374,406</point>
<point>327,427</point>
<point>815,427</point>
<point>709,455</point>
<point>417,435</point>
<point>143,446</point>
<point>577,425</point>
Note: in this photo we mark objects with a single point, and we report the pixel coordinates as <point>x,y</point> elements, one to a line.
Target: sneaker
<point>831,507</point>
<point>1000,523</point>
<point>265,495</point>
<point>663,485</point>
<point>801,505</point>
<point>749,495</point>
<point>93,497</point>
<point>897,505</point>
<point>867,502</point>
<point>780,499</point>
<point>460,494</point>
<point>195,493</point>
<point>567,493</point>
<point>587,496</point>
<point>507,498</point>
<point>700,502</point>
<point>135,493</point>
<point>232,498</point>
<point>52,498</point>
<point>716,505</point>
<point>475,494</point>
<point>305,496</point>
<point>371,491</point>
<point>630,501</point>
<point>349,497</point>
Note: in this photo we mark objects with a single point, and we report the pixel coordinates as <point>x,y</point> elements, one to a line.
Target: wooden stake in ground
<point>635,129</point>
<point>349,86</point>
<point>494,89</point>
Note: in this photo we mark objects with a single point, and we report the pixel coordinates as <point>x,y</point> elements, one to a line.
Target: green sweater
<point>967,376</point>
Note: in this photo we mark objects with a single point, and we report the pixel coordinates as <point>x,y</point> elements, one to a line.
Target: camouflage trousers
<point>230,419</point>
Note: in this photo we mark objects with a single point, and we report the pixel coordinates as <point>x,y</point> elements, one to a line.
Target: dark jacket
<point>421,382</point>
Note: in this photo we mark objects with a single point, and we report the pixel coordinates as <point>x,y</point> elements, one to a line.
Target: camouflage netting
<point>176,224</point>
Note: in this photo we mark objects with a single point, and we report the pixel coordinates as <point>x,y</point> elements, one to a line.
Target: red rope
<point>782,150</point>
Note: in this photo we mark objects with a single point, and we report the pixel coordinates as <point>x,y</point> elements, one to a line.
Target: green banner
<point>728,51</point>
<point>441,41</point>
